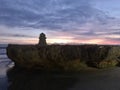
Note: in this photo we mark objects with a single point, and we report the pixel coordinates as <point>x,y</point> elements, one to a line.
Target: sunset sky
<point>63,21</point>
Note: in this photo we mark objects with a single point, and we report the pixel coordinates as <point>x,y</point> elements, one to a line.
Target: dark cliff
<point>64,57</point>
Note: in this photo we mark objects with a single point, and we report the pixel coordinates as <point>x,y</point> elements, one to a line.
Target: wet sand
<point>92,80</point>
<point>3,78</point>
<point>103,80</point>
<point>3,83</point>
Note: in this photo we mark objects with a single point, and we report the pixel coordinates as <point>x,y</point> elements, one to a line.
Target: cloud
<point>52,14</point>
<point>79,20</point>
<point>15,35</point>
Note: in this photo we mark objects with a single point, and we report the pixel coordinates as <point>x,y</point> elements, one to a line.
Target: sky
<point>63,21</point>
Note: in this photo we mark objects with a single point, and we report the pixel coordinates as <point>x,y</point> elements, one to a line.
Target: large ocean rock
<point>64,57</point>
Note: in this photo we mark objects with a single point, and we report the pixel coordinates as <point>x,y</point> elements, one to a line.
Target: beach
<point>103,79</point>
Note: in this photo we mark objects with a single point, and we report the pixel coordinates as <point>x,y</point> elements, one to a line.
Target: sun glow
<point>95,41</point>
<point>59,40</point>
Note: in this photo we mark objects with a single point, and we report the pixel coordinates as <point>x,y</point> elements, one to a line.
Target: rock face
<point>63,57</point>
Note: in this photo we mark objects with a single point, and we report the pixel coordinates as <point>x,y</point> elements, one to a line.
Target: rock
<point>42,40</point>
<point>63,57</point>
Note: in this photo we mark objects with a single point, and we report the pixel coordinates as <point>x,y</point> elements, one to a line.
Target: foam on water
<point>4,60</point>
<point>5,64</point>
<point>2,51</point>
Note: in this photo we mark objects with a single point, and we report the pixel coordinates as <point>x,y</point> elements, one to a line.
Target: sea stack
<point>42,40</point>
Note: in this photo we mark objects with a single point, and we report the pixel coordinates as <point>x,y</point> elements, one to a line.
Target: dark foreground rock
<point>64,57</point>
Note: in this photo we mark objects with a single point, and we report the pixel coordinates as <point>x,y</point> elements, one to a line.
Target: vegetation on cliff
<point>64,57</point>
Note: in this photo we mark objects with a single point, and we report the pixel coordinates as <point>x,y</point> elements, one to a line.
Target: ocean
<point>5,64</point>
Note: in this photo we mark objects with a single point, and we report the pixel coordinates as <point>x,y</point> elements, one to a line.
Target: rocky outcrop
<point>63,57</point>
<point>42,40</point>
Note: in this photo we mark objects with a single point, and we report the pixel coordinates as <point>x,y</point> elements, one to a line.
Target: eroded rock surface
<point>64,57</point>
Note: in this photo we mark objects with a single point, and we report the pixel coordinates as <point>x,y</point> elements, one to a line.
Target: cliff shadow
<point>39,80</point>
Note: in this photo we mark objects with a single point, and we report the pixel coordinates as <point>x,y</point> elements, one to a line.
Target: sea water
<point>5,64</point>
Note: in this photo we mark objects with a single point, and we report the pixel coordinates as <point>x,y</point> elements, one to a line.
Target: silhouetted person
<point>42,40</point>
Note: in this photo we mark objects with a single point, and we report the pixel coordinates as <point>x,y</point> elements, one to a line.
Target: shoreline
<point>108,79</point>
